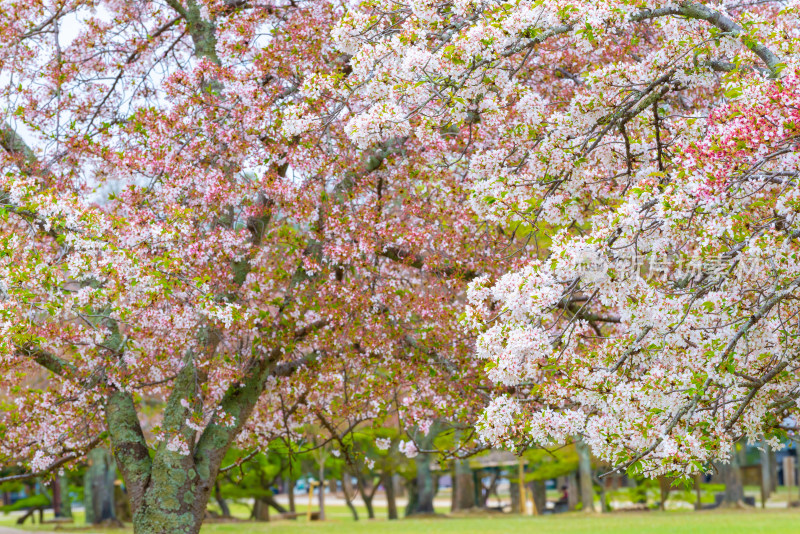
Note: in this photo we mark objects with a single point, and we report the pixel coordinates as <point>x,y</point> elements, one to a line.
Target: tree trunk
<point>62,504</point>
<point>391,501</point>
<point>516,505</point>
<point>698,481</point>
<point>368,504</point>
<point>261,509</point>
<point>486,491</point>
<point>270,500</point>
<point>478,486</point>
<point>463,486</point>
<point>572,491</point>
<point>773,470</point>
<point>321,496</point>
<point>98,487</point>
<point>172,505</point>
<point>413,496</point>
<point>57,496</point>
<point>223,504</point>
<point>425,489</point>
<point>732,478</point>
<point>603,496</point>
<point>585,475</point>
<point>539,492</point>
<point>766,483</point>
<point>290,493</point>
<point>348,492</point>
<point>664,487</point>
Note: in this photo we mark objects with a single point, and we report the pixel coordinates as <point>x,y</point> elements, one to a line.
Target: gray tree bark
<point>463,486</point>
<point>732,478</point>
<point>349,493</point>
<point>773,470</point>
<point>98,487</point>
<point>573,496</point>
<point>766,483</point>
<point>391,500</point>
<point>426,486</point>
<point>516,505</point>
<point>261,509</point>
<point>585,475</point>
<point>425,489</point>
<point>539,492</point>
<point>321,495</point>
<point>413,495</point>
<point>290,494</point>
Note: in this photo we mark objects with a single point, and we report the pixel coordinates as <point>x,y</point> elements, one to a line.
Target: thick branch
<point>689,10</point>
<point>49,361</point>
<point>128,444</point>
<point>418,262</point>
<point>698,11</point>
<point>238,402</point>
<point>11,142</point>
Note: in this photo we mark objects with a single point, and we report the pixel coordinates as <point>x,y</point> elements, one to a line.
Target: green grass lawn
<point>711,522</point>
<point>731,522</point>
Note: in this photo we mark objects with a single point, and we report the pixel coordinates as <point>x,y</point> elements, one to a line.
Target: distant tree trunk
<point>478,487</point>
<point>98,487</point>
<point>463,486</point>
<point>290,493</point>
<point>413,496</point>
<point>766,483</point>
<point>56,496</point>
<point>585,475</point>
<point>604,506</point>
<point>516,505</point>
<point>348,492</point>
<point>223,504</point>
<point>391,501</point>
<point>539,492</point>
<point>270,500</point>
<point>367,491</point>
<point>641,496</point>
<point>732,478</point>
<point>773,470</point>
<point>62,505</point>
<point>321,496</point>
<point>698,481</point>
<point>367,494</point>
<point>425,489</point>
<point>486,491</point>
<point>261,509</point>
<point>573,497</point>
<point>664,487</point>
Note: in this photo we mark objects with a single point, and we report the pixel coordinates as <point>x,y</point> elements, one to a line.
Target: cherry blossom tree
<point>649,152</point>
<point>195,256</point>
<point>247,214</point>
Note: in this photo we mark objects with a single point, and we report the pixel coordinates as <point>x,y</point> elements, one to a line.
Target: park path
<point>9,530</point>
